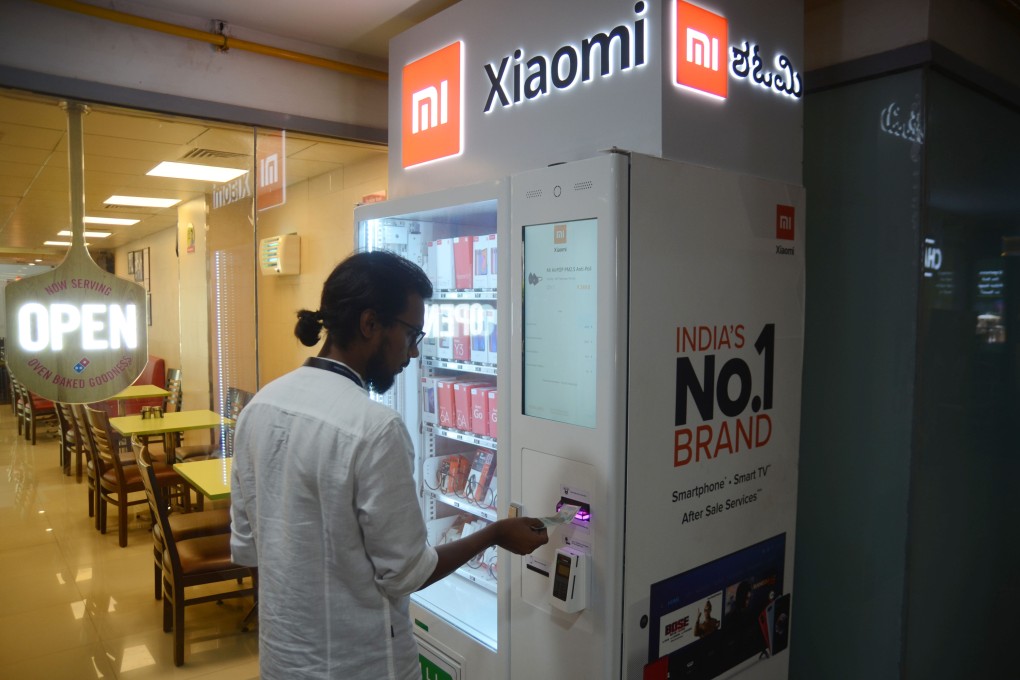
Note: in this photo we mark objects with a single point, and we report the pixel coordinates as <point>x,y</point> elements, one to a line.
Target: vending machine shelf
<point>466,437</point>
<point>462,366</point>
<point>474,294</point>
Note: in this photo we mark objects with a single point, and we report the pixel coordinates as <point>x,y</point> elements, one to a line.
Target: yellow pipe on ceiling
<point>218,40</point>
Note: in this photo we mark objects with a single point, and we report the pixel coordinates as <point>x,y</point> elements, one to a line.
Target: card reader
<point>570,580</point>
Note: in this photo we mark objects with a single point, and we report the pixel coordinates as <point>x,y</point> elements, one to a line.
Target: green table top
<point>211,477</point>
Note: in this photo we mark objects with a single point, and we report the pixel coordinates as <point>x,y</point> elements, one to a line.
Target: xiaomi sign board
<point>432,127</point>
<point>507,87</point>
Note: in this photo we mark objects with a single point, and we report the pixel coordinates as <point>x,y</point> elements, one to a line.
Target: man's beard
<point>379,379</point>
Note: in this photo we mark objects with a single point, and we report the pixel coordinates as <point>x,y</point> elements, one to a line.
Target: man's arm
<point>520,535</point>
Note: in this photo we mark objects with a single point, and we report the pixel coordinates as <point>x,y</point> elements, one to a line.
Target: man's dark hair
<point>378,280</point>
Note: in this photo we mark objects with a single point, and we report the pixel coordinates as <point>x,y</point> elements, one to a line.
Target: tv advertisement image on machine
<point>725,614</point>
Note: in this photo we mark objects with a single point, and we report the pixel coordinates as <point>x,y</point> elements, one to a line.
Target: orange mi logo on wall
<point>431,123</point>
<point>701,45</point>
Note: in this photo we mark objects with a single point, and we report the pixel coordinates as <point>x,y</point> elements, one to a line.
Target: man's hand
<point>521,535</point>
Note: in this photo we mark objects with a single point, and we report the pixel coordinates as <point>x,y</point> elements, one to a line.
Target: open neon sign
<point>91,327</point>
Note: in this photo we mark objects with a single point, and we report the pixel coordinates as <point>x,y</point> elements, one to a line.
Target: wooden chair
<point>190,562</point>
<point>183,525</point>
<point>36,411</point>
<point>237,399</point>
<point>81,421</point>
<point>115,480</point>
<point>70,439</point>
<point>18,404</point>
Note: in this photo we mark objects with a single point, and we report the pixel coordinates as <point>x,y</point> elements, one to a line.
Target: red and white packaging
<point>463,256</point>
<point>480,409</point>
<point>444,396</point>
<point>462,404</point>
<point>493,425</point>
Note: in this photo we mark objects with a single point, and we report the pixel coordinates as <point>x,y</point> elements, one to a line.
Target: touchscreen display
<point>560,305</point>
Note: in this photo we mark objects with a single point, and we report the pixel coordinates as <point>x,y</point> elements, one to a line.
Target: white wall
<point>62,43</point>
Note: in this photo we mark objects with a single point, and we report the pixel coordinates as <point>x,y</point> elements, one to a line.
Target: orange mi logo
<point>560,233</point>
<point>431,126</point>
<point>701,46</point>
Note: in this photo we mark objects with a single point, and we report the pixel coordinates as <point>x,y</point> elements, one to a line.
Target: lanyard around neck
<point>339,369</point>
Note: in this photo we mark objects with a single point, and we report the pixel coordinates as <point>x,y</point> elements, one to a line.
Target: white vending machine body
<point>656,343</point>
<point>449,398</point>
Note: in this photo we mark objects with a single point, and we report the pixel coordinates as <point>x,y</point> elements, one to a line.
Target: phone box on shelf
<point>429,346</point>
<point>481,473</point>
<point>487,245</point>
<point>491,330</point>
<point>461,343</point>
<point>480,250</point>
<point>444,348</point>
<point>444,396</point>
<point>493,403</point>
<point>453,473</point>
<point>480,409</point>
<point>429,401</point>
<point>415,251</point>
<point>445,279</point>
<point>431,255</point>
<point>462,262</point>
<point>479,347</point>
<point>462,403</point>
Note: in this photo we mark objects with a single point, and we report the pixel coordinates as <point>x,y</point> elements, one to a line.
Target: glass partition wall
<point>909,456</point>
<point>191,241</point>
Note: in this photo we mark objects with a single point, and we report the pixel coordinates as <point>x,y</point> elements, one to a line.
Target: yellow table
<point>178,421</point>
<point>137,392</point>
<point>210,477</point>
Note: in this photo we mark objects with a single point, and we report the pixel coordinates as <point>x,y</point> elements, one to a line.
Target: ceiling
<point>122,146</point>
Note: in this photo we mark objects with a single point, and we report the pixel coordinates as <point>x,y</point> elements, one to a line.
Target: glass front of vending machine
<point>449,397</point>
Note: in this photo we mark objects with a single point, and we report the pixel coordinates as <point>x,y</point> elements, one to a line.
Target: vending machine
<point>614,345</point>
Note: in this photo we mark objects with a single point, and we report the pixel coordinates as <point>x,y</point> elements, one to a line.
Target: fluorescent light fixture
<point>117,221</point>
<point>88,234</point>
<point>142,201</point>
<point>56,243</point>
<point>206,173</point>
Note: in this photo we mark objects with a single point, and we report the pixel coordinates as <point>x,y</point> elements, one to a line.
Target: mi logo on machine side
<point>784,222</point>
<point>431,122</point>
<point>701,45</point>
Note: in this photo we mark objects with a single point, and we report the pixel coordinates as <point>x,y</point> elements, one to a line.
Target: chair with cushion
<point>37,411</point>
<point>190,562</point>
<point>115,480</point>
<point>154,373</point>
<point>183,525</point>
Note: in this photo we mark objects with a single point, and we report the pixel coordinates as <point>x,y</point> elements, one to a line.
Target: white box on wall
<point>280,255</point>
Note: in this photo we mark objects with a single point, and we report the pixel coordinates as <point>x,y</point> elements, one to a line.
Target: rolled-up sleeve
<point>391,522</point>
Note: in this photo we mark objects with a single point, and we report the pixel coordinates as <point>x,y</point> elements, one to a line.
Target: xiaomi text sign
<point>431,102</point>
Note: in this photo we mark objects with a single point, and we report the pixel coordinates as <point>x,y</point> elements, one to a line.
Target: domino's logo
<point>80,366</point>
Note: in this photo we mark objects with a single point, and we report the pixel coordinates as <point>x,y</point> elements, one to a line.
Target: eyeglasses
<point>418,336</point>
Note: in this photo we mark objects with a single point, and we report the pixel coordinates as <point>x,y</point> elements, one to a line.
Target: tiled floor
<point>74,605</point>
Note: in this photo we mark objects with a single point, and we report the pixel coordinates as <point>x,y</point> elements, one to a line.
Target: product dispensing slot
<point>584,509</point>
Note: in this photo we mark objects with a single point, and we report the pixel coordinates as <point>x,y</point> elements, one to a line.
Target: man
<point>323,498</point>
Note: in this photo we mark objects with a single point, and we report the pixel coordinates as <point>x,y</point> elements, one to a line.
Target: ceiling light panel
<point>205,173</point>
<point>142,201</point>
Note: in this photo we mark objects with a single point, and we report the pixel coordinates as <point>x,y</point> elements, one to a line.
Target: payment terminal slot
<point>570,580</point>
